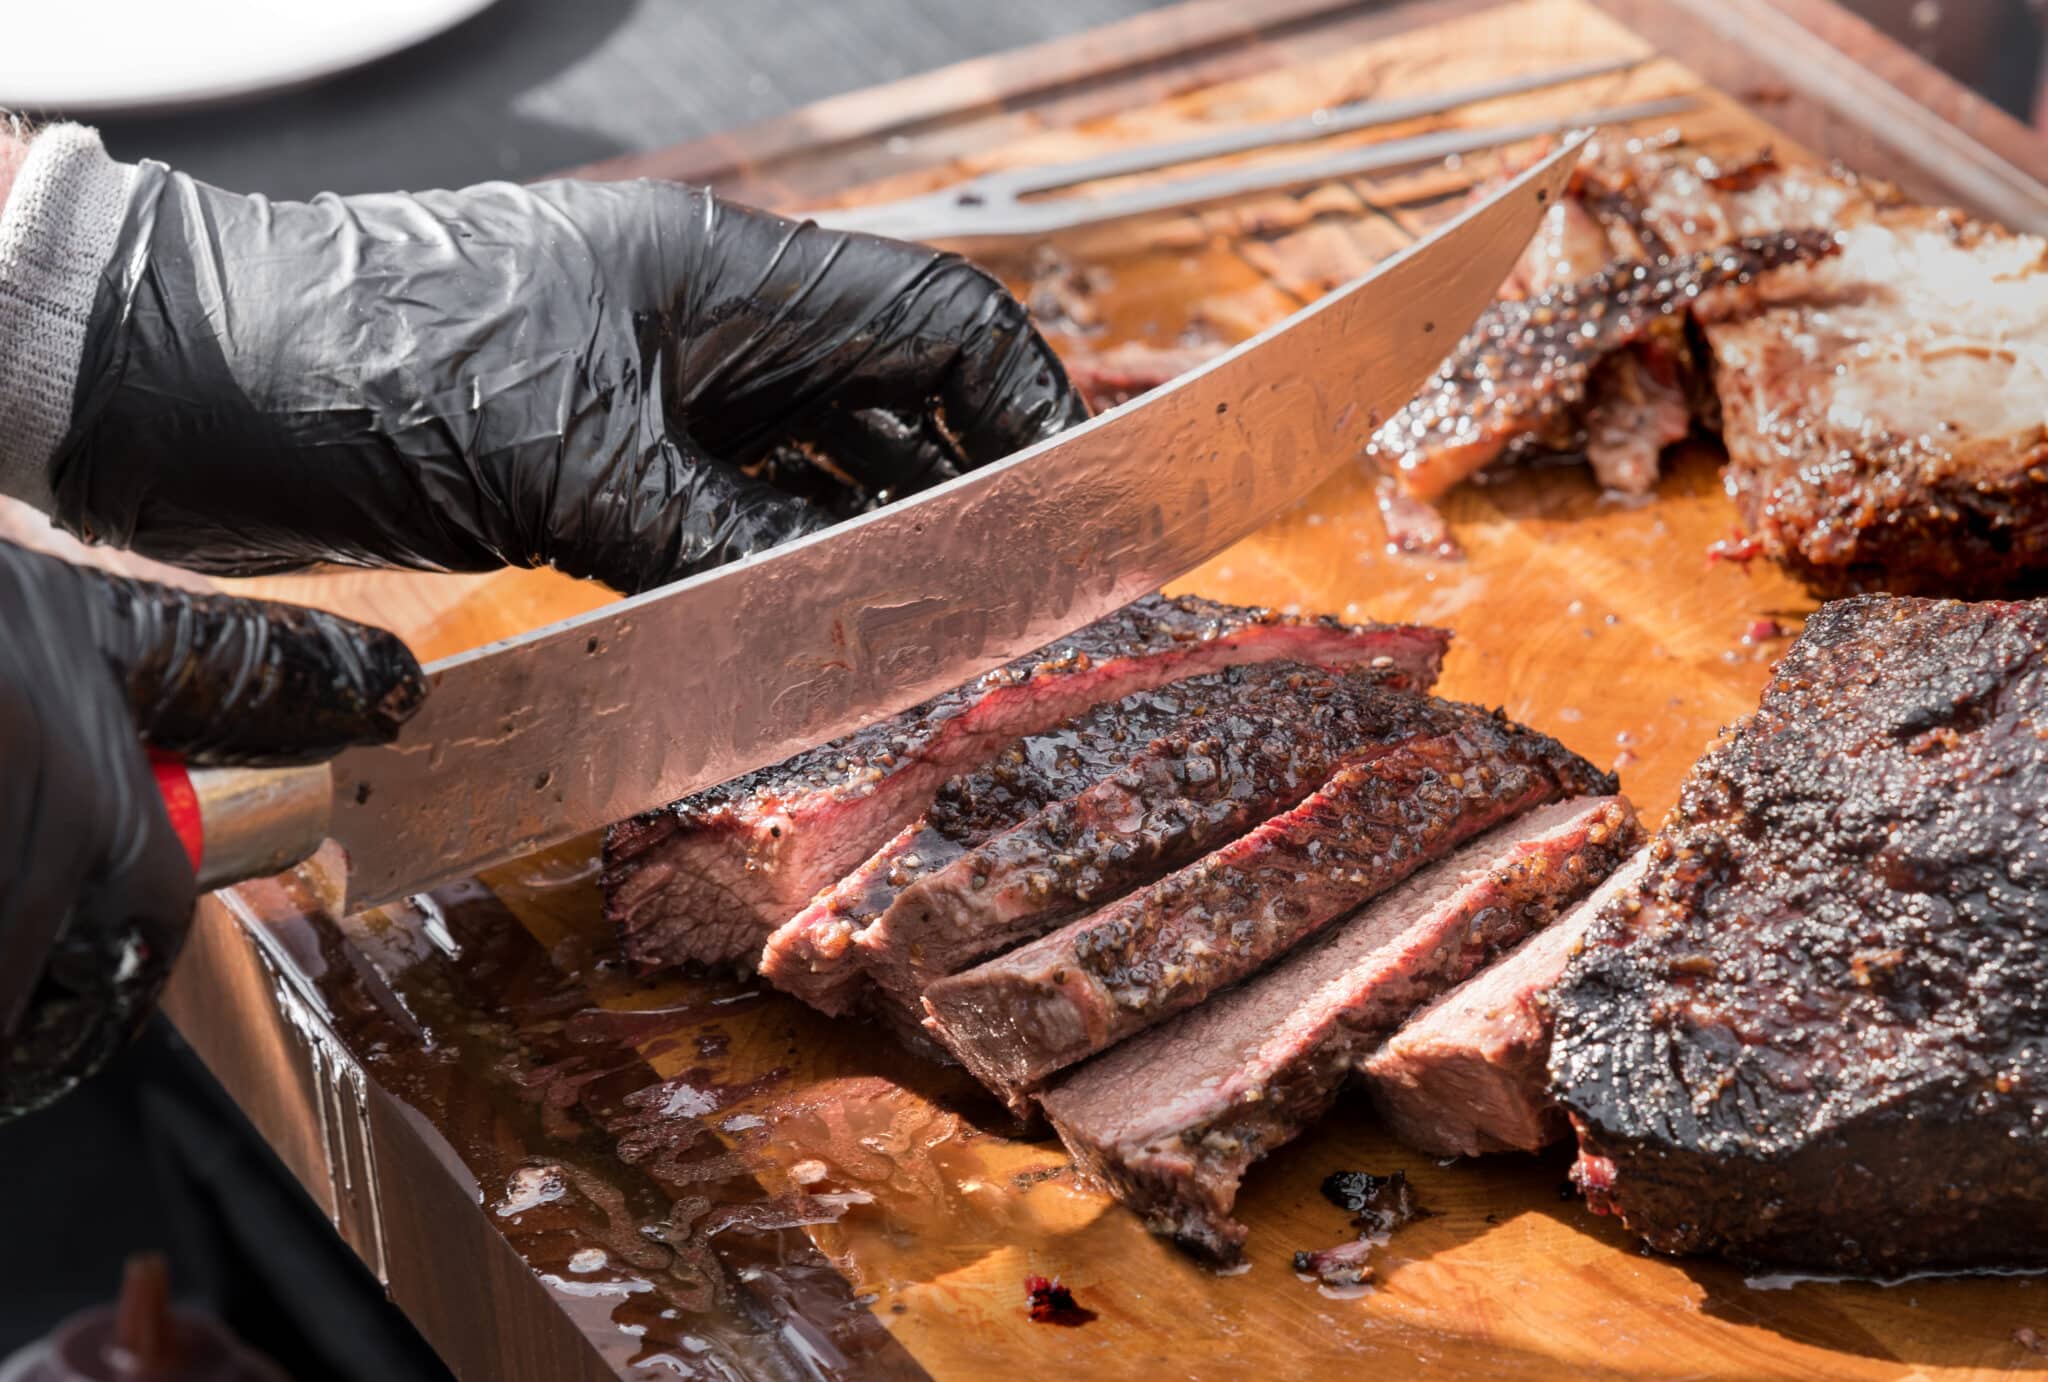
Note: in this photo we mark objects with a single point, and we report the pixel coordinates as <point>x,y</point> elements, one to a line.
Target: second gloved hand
<point>95,889</point>
<point>629,381</point>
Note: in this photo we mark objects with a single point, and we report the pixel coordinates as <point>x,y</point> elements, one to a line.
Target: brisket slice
<point>811,955</point>
<point>1016,1019</point>
<point>1819,1037</point>
<point>1235,763</point>
<point>707,878</point>
<point>1170,1120</point>
<point>1470,1074</point>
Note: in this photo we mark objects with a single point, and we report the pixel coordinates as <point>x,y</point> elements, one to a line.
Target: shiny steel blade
<point>528,742</point>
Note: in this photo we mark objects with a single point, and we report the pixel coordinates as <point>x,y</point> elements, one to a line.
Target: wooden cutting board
<point>564,1174</point>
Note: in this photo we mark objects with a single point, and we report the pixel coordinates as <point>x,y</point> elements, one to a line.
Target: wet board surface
<point>564,1173</point>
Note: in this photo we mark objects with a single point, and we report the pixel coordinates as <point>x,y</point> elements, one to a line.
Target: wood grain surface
<point>1600,621</point>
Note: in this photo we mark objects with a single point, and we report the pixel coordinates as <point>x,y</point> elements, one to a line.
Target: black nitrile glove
<point>630,381</point>
<point>96,891</point>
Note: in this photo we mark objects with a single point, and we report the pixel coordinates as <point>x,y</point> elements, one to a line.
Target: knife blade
<point>533,740</point>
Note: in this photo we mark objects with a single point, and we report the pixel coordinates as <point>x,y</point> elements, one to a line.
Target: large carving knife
<point>528,742</point>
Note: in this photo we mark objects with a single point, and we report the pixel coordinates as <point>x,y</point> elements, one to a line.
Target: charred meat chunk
<point>1524,368</point>
<point>1817,1034</point>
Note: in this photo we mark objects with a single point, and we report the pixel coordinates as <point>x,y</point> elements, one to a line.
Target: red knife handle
<point>181,804</point>
<point>238,823</point>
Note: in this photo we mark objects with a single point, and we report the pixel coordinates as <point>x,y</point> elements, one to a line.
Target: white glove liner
<point>57,232</point>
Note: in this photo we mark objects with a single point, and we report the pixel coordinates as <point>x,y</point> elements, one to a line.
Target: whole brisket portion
<point>1236,762</point>
<point>707,879</point>
<point>1819,1034</point>
<point>1470,1073</point>
<point>812,955</point>
<point>1170,1120</point>
<point>1016,1019</point>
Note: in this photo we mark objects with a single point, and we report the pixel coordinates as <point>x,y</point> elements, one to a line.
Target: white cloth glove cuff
<point>57,232</point>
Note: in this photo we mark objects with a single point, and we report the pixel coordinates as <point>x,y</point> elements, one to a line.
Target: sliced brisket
<point>1016,1019</point>
<point>1470,1073</point>
<point>708,878</point>
<point>1256,751</point>
<point>1819,1036</point>
<point>1170,1120</point>
<point>812,955</point>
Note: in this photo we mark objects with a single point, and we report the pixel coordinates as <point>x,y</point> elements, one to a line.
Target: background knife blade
<point>527,742</point>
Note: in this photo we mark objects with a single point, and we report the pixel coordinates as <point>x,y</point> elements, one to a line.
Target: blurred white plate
<point>96,56</point>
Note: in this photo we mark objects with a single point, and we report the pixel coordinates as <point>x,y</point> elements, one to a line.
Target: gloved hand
<point>630,381</point>
<point>96,891</point>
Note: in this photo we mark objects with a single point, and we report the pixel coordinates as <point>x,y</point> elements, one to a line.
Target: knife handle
<point>239,823</point>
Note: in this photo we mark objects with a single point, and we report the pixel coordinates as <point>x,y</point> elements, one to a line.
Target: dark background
<point>530,87</point>
<point>533,86</point>
<point>151,1155</point>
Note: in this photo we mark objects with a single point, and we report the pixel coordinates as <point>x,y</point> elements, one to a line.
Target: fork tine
<point>1353,115</point>
<point>938,219</point>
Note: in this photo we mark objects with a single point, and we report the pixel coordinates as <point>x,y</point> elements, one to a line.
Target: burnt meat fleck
<point>1377,1204</point>
<point>1048,1301</point>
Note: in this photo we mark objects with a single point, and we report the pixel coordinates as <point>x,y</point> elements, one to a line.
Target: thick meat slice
<point>1524,367</point>
<point>708,878</point>
<point>1820,1035</point>
<point>1470,1073</point>
<point>1170,1120</point>
<point>812,955</point>
<point>1187,793</point>
<point>1016,1019</point>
